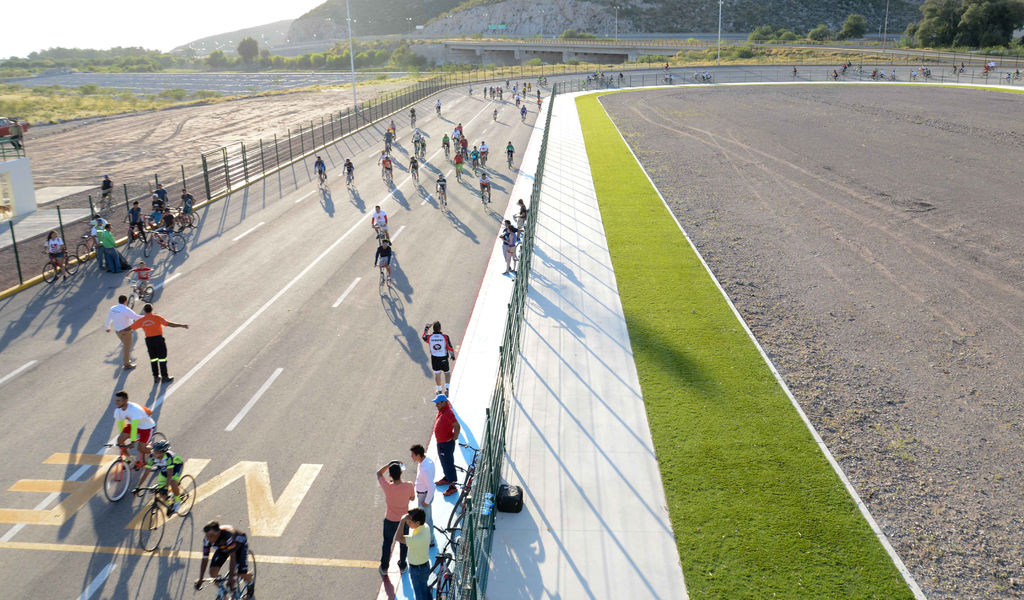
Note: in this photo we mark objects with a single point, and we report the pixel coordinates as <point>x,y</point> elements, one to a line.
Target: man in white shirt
<point>122,317</point>
<point>424,484</point>
<point>134,424</point>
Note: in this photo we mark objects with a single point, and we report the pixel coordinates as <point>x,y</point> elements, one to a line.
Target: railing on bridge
<point>11,148</point>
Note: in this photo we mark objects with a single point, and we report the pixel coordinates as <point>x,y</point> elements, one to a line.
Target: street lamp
<point>885,31</point>
<point>616,23</point>
<point>351,57</point>
<point>718,61</point>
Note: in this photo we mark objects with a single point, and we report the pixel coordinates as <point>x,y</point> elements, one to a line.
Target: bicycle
<point>322,174</point>
<point>441,575</point>
<point>447,150</point>
<point>485,194</point>
<point>85,247</point>
<point>227,590</point>
<point>458,511</point>
<point>52,267</point>
<point>184,219</point>
<point>151,528</point>
<point>349,176</point>
<point>174,242</point>
<point>483,158</point>
<point>388,178</point>
<point>118,478</point>
<point>141,290</point>
<point>384,280</point>
<point>509,157</point>
<point>442,197</point>
<point>415,175</point>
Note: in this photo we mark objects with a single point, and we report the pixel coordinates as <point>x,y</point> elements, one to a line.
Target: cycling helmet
<point>161,446</point>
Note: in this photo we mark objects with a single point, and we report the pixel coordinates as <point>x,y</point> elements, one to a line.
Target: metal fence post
<point>206,177</point>
<point>263,164</point>
<point>302,142</point>
<point>92,209</point>
<point>156,179</point>
<point>17,259</point>
<point>312,133</point>
<point>183,176</point>
<point>227,173</point>
<point>245,163</point>
<point>60,222</point>
<point>291,157</point>
<point>277,153</point>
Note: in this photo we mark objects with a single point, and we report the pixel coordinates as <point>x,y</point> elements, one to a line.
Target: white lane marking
<point>248,232</point>
<point>97,582</point>
<point>166,281</point>
<point>304,197</point>
<point>400,230</point>
<point>252,401</point>
<point>15,372</point>
<point>345,293</point>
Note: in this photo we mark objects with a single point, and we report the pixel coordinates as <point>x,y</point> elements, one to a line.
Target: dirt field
<point>871,237</point>
<point>134,147</point>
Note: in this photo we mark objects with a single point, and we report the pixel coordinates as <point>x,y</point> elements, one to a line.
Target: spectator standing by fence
<point>397,496</point>
<point>424,484</point>
<point>122,317</point>
<point>153,326</point>
<point>419,552</point>
<point>109,246</point>
<point>446,433</point>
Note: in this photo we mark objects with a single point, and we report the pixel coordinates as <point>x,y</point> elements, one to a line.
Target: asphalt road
<point>259,285</point>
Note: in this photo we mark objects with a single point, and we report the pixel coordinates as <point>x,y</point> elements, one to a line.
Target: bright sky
<point>106,23</point>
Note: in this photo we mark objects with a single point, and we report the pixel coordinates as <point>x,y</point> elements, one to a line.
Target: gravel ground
<point>870,236</point>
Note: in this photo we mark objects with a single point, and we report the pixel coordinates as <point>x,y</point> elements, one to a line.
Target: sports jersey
<point>226,542</point>
<point>442,183</point>
<point>142,273</point>
<point>386,163</point>
<point>484,148</point>
<point>320,166</point>
<point>458,159</point>
<point>169,460</point>
<point>134,415</point>
<point>379,218</point>
<point>439,344</point>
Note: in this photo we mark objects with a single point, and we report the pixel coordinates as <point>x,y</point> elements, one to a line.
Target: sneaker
<point>441,482</point>
<point>168,379</point>
<point>250,591</point>
<point>402,568</point>
<point>383,572</point>
<point>451,490</point>
<point>127,367</point>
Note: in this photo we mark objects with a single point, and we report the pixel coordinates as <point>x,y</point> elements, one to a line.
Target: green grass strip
<point>756,508</point>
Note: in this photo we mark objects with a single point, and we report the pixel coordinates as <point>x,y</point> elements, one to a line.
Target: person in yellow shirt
<point>418,543</point>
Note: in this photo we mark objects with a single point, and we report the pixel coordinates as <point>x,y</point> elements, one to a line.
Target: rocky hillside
<point>551,17</point>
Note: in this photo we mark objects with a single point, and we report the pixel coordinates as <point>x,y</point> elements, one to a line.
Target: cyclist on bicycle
<point>135,221</point>
<point>475,157</point>
<point>464,143</point>
<point>485,186</point>
<point>379,221</point>
<point>510,151</point>
<point>446,144</point>
<point>495,114</point>
<point>161,193</point>
<point>414,167</point>
<point>139,276</point>
<point>320,168</point>
<point>187,201</point>
<point>385,165</point>
<point>442,184</point>
<point>169,467</point>
<point>55,248</point>
<point>135,424</point>
<point>388,137</point>
<point>459,161</point>
<point>382,258</point>
<point>230,542</point>
<point>350,169</point>
<point>412,116</point>
<point>483,152</point>
<point>438,106</point>
<point>522,113</point>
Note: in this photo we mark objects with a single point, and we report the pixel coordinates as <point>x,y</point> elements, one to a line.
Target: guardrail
<point>11,148</point>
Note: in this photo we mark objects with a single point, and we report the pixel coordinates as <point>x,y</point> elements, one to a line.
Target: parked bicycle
<point>85,247</point>
<point>183,220</point>
<point>118,479</point>
<point>151,528</point>
<point>175,242</point>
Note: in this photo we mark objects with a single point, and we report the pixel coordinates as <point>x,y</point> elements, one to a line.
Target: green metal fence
<point>473,552</point>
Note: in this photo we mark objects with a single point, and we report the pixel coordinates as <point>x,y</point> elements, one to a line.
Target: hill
<point>269,36</point>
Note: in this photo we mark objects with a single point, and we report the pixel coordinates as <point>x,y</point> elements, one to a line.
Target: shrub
<point>572,61</point>
<point>573,34</point>
<point>762,33</point>
<point>204,94</point>
<point>821,33</point>
<point>174,94</point>
<point>88,89</point>
<point>652,58</point>
<point>743,52</point>
<point>534,62</point>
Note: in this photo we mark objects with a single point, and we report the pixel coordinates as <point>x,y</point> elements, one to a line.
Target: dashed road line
<point>248,232</point>
<point>15,372</point>
<point>252,401</point>
<point>346,292</point>
<point>97,582</point>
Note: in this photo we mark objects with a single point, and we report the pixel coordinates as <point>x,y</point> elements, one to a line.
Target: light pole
<point>718,61</point>
<point>885,30</point>
<point>616,23</point>
<point>351,57</point>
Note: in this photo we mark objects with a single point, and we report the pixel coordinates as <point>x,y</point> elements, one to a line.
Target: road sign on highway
<point>502,26</point>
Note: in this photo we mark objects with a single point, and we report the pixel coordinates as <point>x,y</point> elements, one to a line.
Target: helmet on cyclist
<point>161,446</point>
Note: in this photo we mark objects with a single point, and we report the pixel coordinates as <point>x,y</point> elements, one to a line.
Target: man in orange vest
<point>153,326</point>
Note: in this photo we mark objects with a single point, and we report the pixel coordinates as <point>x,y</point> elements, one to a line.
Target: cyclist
<point>161,193</point>
<point>414,168</point>
<point>385,165</point>
<point>412,117</point>
<point>459,160</point>
<point>495,114</point>
<point>437,107</point>
<point>483,153</point>
<point>510,151</point>
<point>55,248</point>
<point>139,276</point>
<point>229,542</point>
<point>446,144</point>
<point>441,351</point>
<point>464,143</point>
<point>388,137</point>
<point>168,467</point>
<point>485,185</point>
<point>442,185</point>
<point>350,169</point>
<point>187,201</point>
<point>470,90</point>
<point>392,129</point>
<point>135,424</point>
<point>475,157</point>
<point>382,258</point>
<point>321,169</point>
<point>379,222</point>
<point>135,220</point>
<point>106,187</point>
<point>522,113</point>
<point>518,99</point>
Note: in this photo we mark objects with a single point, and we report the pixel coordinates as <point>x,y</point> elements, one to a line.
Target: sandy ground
<point>871,238</point>
<point>134,147</point>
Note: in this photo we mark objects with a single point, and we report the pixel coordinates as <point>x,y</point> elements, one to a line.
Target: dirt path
<point>134,147</point>
<point>871,238</point>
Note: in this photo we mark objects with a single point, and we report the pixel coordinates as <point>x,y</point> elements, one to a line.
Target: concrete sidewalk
<point>595,522</point>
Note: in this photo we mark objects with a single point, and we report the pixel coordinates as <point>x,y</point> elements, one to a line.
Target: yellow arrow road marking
<point>186,554</point>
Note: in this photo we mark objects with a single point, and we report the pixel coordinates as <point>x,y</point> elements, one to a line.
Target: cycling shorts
<point>143,433</point>
<point>439,364</point>
<point>56,255</point>
<point>241,555</point>
<point>458,166</point>
<point>384,261</point>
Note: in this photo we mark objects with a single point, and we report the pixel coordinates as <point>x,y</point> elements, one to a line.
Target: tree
<point>217,60</point>
<point>854,27</point>
<point>248,49</point>
<point>968,22</point>
<point>820,33</point>
<point>762,33</point>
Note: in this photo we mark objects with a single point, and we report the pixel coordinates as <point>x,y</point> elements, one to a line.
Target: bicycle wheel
<point>191,220</point>
<point>71,264</point>
<point>177,243</point>
<point>117,480</point>
<point>151,529</point>
<point>146,294</point>
<point>382,281</point>
<point>49,273</point>
<point>82,252</point>
<point>131,300</point>
<point>187,486</point>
